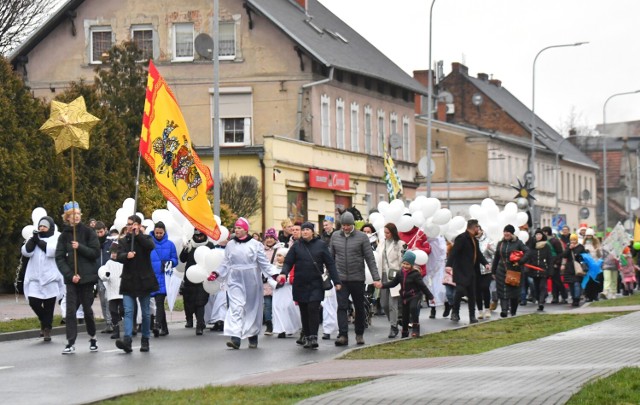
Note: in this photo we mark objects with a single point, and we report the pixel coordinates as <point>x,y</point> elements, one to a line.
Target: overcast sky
<point>502,37</point>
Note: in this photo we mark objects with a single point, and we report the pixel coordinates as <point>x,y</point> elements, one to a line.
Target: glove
<point>213,276</point>
<point>31,244</point>
<point>42,244</point>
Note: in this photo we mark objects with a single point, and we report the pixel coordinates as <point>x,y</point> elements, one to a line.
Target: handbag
<point>326,280</point>
<point>512,278</point>
<point>577,267</point>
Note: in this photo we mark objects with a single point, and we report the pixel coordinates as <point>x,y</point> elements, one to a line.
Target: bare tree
<point>242,194</point>
<point>575,122</point>
<point>18,18</point>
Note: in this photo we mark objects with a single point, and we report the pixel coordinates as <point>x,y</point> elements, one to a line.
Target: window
<point>393,130</point>
<point>101,40</point>
<point>183,42</point>
<point>367,130</point>
<point>227,40</point>
<point>236,107</point>
<point>233,130</point>
<point>355,109</point>
<point>406,140</point>
<point>296,205</point>
<point>325,120</point>
<point>380,132</point>
<point>142,37</point>
<point>340,123</point>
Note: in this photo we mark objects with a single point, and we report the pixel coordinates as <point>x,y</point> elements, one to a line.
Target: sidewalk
<point>543,371</point>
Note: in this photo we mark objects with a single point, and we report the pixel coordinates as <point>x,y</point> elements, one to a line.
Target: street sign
<point>558,221</point>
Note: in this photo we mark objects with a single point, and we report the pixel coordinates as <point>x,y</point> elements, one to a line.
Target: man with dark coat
<point>557,249</point>
<point>77,252</point>
<point>350,249</point>
<point>137,281</point>
<point>464,258</point>
<point>105,245</point>
<point>309,256</point>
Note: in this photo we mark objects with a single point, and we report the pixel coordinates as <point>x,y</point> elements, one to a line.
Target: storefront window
<point>297,205</point>
<point>342,202</point>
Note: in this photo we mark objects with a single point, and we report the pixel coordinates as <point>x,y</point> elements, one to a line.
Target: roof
<point>322,37</point>
<point>546,135</point>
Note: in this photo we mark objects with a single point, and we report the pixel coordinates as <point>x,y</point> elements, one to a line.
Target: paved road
<point>33,372</point>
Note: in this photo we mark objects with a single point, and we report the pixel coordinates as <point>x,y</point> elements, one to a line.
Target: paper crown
<point>329,218</point>
<point>71,205</point>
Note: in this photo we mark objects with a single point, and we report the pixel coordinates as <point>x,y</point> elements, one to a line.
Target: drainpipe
<point>301,92</point>
<point>263,196</point>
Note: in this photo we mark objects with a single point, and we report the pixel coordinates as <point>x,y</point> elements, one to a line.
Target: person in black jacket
<point>557,286</point>
<point>77,252</point>
<point>411,291</point>
<point>539,266</point>
<point>195,296</point>
<point>138,280</point>
<point>310,256</point>
<point>464,258</point>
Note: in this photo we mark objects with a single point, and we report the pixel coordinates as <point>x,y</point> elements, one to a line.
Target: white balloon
<point>493,230</point>
<point>173,229</point>
<point>120,222</point>
<point>148,223</point>
<point>212,287</point>
<point>511,208</point>
<point>218,220</point>
<point>224,233</point>
<point>141,215</point>
<point>397,204</point>
<point>452,235</point>
<point>379,225</point>
<point>375,217</point>
<point>523,236</point>
<point>418,218</point>
<point>458,222</point>
<point>432,230</point>
<point>187,230</point>
<point>213,259</point>
<point>442,216</point>
<point>430,206</point>
<point>197,273</point>
<point>383,206</point>
<point>393,214</point>
<point>487,203</point>
<point>37,214</point>
<point>491,211</point>
<point>121,212</point>
<point>405,223</point>
<point>160,215</point>
<point>521,218</point>
<point>128,205</point>
<point>475,211</point>
<point>421,257</point>
<point>444,228</point>
<point>200,255</point>
<point>27,231</point>
<point>414,206</point>
<point>503,218</point>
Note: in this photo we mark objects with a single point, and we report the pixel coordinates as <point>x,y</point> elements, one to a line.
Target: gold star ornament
<point>69,124</point>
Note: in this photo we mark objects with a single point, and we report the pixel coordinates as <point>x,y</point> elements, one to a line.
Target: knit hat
<point>409,257</point>
<point>590,232</point>
<point>51,226</point>
<point>539,231</point>
<point>573,237</point>
<point>282,251</point>
<point>347,218</point>
<point>271,233</point>
<point>307,225</point>
<point>509,228</point>
<point>242,223</point>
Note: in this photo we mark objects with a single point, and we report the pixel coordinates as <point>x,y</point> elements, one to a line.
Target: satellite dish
<point>204,46</point>
<point>477,99</point>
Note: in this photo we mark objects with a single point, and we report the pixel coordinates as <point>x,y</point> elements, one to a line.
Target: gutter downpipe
<point>301,92</point>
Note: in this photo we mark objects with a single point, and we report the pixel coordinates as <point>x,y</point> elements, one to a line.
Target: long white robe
<point>42,278</point>
<point>216,308</point>
<point>241,270</point>
<point>330,312</point>
<point>285,314</point>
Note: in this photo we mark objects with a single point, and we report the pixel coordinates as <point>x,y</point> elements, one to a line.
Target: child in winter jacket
<point>110,275</point>
<point>411,291</point>
<point>627,271</point>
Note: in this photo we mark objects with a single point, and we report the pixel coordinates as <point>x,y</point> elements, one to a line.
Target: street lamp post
<point>533,123</point>
<point>429,105</point>
<point>604,154</point>
<point>445,149</point>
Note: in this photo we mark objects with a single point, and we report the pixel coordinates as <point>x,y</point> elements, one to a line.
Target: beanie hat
<point>271,233</point>
<point>282,251</point>
<point>626,250</point>
<point>347,218</point>
<point>409,257</point>
<point>573,237</point>
<point>509,228</point>
<point>307,225</point>
<point>590,232</point>
<point>48,222</point>
<point>547,230</point>
<point>160,225</point>
<point>242,223</point>
<point>539,231</point>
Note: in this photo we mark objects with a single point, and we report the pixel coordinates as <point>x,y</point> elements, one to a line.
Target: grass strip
<point>618,302</point>
<point>621,387</point>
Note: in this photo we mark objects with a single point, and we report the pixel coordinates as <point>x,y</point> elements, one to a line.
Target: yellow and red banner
<point>166,147</point>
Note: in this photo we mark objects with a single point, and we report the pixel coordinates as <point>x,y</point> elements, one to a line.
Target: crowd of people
<point>303,283</point>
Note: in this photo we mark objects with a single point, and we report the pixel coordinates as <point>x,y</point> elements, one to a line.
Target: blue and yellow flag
<point>166,147</point>
<point>391,177</point>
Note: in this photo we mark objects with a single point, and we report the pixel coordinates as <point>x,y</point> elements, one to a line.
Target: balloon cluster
<point>36,216</point>
<point>493,220</point>
<point>207,260</point>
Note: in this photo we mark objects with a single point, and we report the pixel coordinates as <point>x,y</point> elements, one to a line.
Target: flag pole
<point>73,199</point>
<point>135,197</point>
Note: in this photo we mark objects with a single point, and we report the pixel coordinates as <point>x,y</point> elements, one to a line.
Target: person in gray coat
<point>350,249</point>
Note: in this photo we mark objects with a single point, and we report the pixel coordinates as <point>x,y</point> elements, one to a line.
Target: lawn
<point>622,387</point>
<point>629,300</point>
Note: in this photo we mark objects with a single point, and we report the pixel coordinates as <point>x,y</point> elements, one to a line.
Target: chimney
<point>573,132</point>
<point>441,112</point>
<point>459,67</point>
<point>422,76</point>
<point>303,4</point>
<point>496,82</point>
<point>483,76</point>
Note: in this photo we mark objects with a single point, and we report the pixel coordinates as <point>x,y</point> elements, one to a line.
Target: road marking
<point>4,367</point>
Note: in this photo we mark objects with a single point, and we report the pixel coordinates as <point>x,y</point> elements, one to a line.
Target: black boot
<point>154,328</point>
<point>302,339</point>
<point>455,316</point>
<point>144,344</point>
<point>253,342</point>
<point>124,344</point>
<point>116,332</point>
<point>393,332</point>
<point>269,330</point>
<point>433,313</point>
<point>447,310</point>
<point>416,330</point>
<point>311,343</point>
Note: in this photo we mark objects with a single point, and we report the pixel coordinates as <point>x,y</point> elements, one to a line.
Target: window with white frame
<point>325,119</point>
<point>367,129</point>
<point>355,109</point>
<point>142,37</point>
<point>381,147</point>
<point>235,107</point>
<point>227,40</point>
<point>101,40</point>
<point>393,130</point>
<point>340,123</point>
<point>406,139</point>
<point>183,42</point>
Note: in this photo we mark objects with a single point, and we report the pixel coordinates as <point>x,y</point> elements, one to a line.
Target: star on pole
<point>69,124</point>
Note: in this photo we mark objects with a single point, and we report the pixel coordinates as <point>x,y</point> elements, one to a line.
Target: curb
<point>35,333</point>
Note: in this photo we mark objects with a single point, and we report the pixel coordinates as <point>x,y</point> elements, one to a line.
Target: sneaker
<point>47,335</point>
<point>234,343</point>
<point>342,341</point>
<point>480,315</point>
<point>326,336</point>
<point>69,349</point>
<point>144,345</point>
<point>487,314</point>
<point>253,342</point>
<point>503,314</point>
<point>93,345</point>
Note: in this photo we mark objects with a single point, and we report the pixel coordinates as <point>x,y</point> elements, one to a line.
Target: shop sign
<point>328,180</point>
